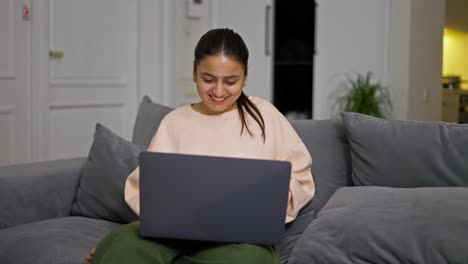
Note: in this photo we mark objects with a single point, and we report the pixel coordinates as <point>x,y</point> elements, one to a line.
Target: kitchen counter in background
<point>455,105</point>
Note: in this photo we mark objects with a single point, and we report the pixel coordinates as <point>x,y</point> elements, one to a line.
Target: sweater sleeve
<point>289,147</point>
<point>132,191</point>
<point>161,142</point>
<point>301,185</point>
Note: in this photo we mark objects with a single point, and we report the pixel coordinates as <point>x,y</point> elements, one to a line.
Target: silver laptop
<point>210,198</point>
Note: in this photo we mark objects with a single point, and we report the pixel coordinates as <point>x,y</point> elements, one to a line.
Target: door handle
<point>56,54</point>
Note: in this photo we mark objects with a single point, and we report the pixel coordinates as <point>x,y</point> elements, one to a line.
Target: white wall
<point>151,47</point>
<point>351,37</point>
<point>399,61</point>
<point>398,40</point>
<point>15,87</point>
<point>184,35</point>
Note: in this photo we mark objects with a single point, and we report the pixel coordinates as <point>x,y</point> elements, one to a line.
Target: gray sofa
<point>386,192</point>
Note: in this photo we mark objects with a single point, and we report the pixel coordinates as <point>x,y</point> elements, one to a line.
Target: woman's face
<point>220,81</point>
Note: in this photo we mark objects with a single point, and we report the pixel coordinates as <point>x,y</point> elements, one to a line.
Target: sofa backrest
<point>407,153</point>
<point>331,169</point>
<point>331,165</point>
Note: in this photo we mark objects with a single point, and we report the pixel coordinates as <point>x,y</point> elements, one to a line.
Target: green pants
<point>125,245</point>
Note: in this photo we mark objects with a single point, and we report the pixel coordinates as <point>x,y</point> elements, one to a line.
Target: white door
<point>91,50</point>
<point>14,84</point>
<point>253,20</point>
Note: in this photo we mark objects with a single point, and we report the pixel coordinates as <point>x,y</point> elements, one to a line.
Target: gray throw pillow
<point>407,153</point>
<point>388,225</point>
<point>100,192</point>
<point>331,169</point>
<point>147,121</point>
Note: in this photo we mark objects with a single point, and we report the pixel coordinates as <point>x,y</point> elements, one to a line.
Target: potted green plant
<point>366,97</point>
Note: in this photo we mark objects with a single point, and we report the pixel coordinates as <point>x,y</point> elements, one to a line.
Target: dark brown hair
<point>230,44</point>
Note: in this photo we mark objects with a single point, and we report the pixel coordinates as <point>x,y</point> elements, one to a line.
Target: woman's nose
<point>218,89</point>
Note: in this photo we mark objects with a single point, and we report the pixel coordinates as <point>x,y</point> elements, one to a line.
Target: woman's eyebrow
<point>207,74</point>
<point>213,76</point>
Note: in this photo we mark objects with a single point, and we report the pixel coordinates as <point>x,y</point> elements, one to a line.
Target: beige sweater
<point>186,131</point>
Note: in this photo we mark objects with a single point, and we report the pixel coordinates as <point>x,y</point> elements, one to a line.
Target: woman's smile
<point>218,100</point>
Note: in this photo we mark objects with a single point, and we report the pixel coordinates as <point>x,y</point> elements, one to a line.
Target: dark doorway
<point>293,58</point>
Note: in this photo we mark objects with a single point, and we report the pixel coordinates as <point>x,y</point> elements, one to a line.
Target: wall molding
<point>88,82</point>
<point>9,73</point>
<point>8,110</point>
<point>85,105</point>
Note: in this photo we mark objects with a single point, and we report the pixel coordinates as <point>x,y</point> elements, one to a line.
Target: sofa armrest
<point>38,191</point>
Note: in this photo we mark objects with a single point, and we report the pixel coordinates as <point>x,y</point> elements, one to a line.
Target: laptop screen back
<point>213,198</point>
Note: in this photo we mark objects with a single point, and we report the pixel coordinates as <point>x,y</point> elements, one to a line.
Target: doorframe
<point>153,42</point>
<point>40,120</point>
<point>165,52</point>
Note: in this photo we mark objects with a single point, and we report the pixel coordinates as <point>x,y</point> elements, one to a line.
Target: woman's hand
<point>89,258</point>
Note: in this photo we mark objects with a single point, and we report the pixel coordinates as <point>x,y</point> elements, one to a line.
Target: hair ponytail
<point>245,105</point>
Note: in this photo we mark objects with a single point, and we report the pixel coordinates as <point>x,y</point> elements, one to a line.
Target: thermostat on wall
<point>194,8</point>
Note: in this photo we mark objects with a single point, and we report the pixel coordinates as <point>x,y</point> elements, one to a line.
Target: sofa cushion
<point>61,240</point>
<point>100,192</point>
<point>331,169</point>
<point>407,153</point>
<point>147,121</point>
<point>388,225</point>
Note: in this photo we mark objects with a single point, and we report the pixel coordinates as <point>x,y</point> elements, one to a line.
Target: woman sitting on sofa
<point>261,132</point>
